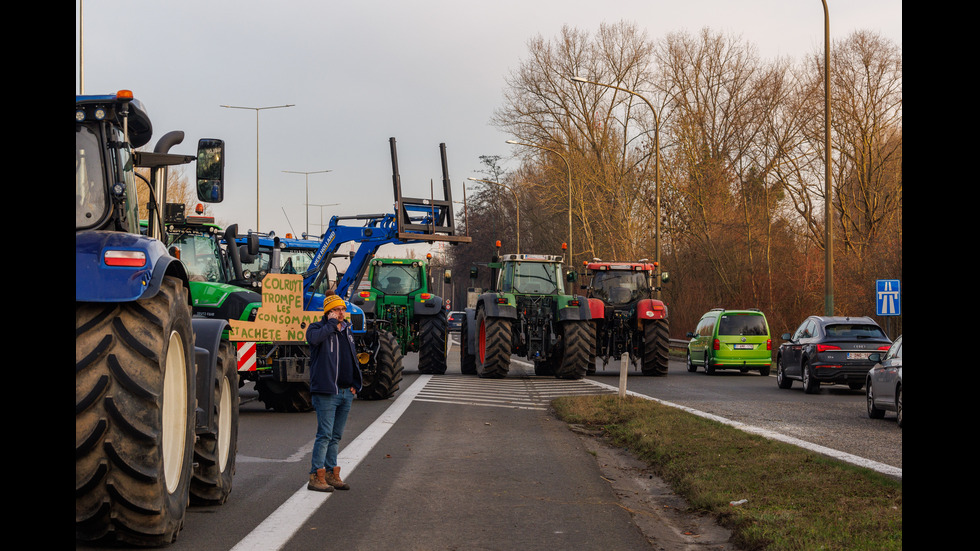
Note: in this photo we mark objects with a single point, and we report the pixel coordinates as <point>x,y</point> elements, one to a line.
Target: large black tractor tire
<point>284,397</point>
<point>577,340</point>
<point>433,335</point>
<point>595,348</point>
<point>134,417</point>
<point>214,454</point>
<point>467,358</point>
<point>381,382</point>
<point>493,346</point>
<point>656,347</point>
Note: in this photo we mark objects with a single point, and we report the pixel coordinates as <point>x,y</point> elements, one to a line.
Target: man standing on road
<point>334,379</point>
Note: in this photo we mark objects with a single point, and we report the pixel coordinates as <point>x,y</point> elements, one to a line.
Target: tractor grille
<point>357,322</point>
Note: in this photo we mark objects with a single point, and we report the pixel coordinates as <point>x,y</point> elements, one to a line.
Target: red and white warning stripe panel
<point>246,356</point>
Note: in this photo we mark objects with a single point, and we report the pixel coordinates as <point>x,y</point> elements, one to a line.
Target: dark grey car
<point>884,390</point>
<point>455,320</point>
<point>829,350</point>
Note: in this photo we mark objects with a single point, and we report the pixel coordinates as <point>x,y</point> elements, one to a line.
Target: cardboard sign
<point>281,317</point>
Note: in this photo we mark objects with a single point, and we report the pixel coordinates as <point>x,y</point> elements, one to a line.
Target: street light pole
<point>321,214</point>
<point>828,193</point>
<point>517,204</point>
<point>256,109</point>
<point>307,191</point>
<point>568,167</point>
<point>656,173</point>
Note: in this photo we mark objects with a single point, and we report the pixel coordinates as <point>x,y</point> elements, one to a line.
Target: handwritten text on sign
<point>281,317</point>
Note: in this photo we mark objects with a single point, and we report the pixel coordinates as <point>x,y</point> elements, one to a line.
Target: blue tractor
<point>278,369</point>
<point>280,372</point>
<point>155,418</point>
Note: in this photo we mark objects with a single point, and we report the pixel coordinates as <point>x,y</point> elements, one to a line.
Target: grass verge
<point>796,499</point>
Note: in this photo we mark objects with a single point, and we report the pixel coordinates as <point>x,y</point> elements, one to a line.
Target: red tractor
<point>626,316</point>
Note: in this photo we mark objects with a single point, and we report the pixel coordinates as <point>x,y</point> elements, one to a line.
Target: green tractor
<point>527,313</point>
<point>211,270</point>
<point>215,272</point>
<point>396,292</point>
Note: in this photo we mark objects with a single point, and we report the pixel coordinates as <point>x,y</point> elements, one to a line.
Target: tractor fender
<point>428,307</point>
<point>581,312</point>
<point>597,308</point>
<point>207,340</point>
<point>95,282</point>
<point>496,310</point>
<point>470,336</point>
<point>651,309</point>
<point>167,266</point>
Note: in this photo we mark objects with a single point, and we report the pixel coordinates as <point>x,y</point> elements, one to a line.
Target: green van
<point>731,339</point>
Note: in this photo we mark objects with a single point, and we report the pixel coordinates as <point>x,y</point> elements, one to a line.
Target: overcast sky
<point>358,73</point>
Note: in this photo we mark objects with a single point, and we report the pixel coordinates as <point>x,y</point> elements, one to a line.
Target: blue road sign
<point>889,297</point>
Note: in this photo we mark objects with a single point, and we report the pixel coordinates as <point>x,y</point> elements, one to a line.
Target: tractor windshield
<point>295,261</point>
<point>90,188</point>
<point>619,286</point>
<point>397,279</point>
<point>201,256</point>
<point>532,278</point>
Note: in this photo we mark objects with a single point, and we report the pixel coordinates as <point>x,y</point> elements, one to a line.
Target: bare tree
<point>179,190</point>
<point>596,131</point>
<point>724,138</point>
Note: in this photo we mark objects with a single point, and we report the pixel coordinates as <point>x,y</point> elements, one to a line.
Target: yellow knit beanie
<point>331,302</point>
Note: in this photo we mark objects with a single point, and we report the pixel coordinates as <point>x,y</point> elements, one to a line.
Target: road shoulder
<point>661,515</point>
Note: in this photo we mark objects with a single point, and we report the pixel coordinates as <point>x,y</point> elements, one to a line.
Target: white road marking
<point>843,456</point>
<point>276,530</point>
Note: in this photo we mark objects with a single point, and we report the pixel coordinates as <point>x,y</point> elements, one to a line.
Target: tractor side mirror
<point>211,170</point>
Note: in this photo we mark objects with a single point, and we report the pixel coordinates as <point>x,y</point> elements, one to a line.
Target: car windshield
<point>854,331</point>
<point>742,324</point>
<point>619,286</point>
<point>397,279</point>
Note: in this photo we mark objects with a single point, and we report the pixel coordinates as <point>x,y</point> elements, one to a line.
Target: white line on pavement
<point>280,526</point>
<point>843,456</point>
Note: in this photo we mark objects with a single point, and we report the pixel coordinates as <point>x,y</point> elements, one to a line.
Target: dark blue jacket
<point>325,341</point>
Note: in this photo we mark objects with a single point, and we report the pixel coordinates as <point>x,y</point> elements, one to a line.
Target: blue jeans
<point>331,416</point>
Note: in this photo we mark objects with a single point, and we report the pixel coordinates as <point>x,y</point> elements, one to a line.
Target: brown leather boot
<point>333,479</point>
<point>318,481</point>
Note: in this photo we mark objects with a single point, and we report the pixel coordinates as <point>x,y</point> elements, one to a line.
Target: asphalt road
<point>835,419</point>
<point>458,462</point>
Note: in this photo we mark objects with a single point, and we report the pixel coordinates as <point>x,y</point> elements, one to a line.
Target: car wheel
<point>690,365</point>
<point>810,383</point>
<point>873,411</point>
<point>898,404</point>
<point>782,381</point>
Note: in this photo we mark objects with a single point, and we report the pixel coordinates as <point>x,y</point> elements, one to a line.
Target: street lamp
<point>256,109</point>
<point>656,173</point>
<point>569,169</point>
<point>828,202</point>
<point>321,214</point>
<point>307,191</point>
<point>517,203</point>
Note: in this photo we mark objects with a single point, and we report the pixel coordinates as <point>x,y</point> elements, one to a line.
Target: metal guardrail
<point>678,344</point>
